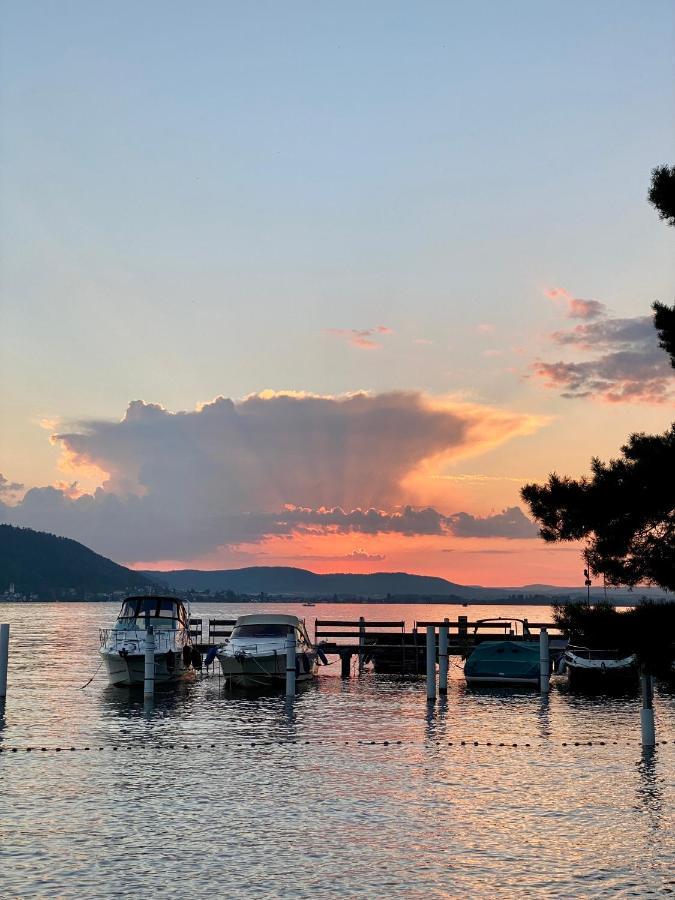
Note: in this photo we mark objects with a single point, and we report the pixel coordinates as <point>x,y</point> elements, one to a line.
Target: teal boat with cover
<point>503,662</point>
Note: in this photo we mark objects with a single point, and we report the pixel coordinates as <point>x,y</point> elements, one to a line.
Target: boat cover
<point>503,659</point>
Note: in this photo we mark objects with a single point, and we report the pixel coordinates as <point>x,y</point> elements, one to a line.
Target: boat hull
<point>602,681</point>
<point>128,671</point>
<point>269,670</point>
<point>500,679</point>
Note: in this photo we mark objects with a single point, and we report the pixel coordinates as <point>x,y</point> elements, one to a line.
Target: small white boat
<point>255,655</point>
<point>599,670</point>
<point>123,645</point>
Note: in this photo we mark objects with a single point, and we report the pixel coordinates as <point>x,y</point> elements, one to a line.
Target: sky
<point>324,284</point>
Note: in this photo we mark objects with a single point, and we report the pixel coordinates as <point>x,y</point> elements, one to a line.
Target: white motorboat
<point>123,645</point>
<point>599,670</point>
<point>255,655</point>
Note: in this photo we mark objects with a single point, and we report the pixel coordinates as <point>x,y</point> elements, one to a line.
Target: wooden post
<point>647,712</point>
<point>544,661</point>
<point>416,652</point>
<point>290,664</point>
<point>362,643</point>
<point>149,680</point>
<point>345,664</point>
<point>443,658</point>
<point>4,659</point>
<point>431,662</point>
<point>462,627</point>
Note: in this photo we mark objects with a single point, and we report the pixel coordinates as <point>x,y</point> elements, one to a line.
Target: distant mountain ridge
<point>36,562</point>
<point>279,580</point>
<point>51,567</point>
<point>287,579</point>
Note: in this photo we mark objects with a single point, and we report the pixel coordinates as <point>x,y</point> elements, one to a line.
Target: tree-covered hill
<point>40,563</point>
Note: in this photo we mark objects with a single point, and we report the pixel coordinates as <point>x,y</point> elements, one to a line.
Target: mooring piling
<point>443,639</point>
<point>149,678</point>
<point>4,659</point>
<point>647,725</point>
<point>362,643</point>
<point>431,662</point>
<point>345,664</point>
<point>544,661</point>
<point>290,664</point>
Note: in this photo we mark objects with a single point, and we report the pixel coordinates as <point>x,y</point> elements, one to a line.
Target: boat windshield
<point>261,630</point>
<point>165,614</point>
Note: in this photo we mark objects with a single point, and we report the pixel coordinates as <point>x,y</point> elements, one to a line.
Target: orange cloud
<point>171,485</point>
<point>361,337</point>
<point>576,307</point>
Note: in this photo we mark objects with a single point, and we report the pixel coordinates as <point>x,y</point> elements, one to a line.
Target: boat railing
<point>164,640</point>
<point>253,648</point>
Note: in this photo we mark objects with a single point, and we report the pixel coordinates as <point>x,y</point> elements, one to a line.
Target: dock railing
<point>337,637</point>
<point>216,632</point>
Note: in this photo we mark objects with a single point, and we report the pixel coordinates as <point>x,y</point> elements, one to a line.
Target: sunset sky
<point>324,284</point>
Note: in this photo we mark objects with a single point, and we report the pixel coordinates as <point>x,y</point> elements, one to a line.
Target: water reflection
<point>254,781</point>
<point>436,720</point>
<point>649,790</point>
<point>544,717</point>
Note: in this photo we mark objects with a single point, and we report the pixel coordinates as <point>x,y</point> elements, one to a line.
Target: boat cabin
<point>270,625</point>
<point>163,613</point>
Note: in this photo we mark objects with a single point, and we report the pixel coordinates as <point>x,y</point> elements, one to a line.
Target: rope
<point>281,743</point>
<point>92,677</point>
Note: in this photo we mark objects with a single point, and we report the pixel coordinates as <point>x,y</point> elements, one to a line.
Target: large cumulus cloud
<point>181,484</point>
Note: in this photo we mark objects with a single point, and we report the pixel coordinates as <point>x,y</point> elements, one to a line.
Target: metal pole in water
<point>362,643</point>
<point>647,712</point>
<point>4,658</point>
<point>149,680</point>
<point>431,662</point>
<point>290,664</point>
<point>443,658</point>
<point>544,661</point>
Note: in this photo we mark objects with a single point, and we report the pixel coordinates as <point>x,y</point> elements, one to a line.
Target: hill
<point>40,563</point>
<point>286,580</point>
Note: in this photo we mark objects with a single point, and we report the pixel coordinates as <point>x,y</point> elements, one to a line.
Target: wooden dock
<point>392,648</point>
<point>389,645</point>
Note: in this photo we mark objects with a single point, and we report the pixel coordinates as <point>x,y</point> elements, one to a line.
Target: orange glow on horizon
<point>472,561</point>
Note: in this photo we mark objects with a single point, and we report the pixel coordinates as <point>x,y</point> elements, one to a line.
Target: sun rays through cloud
<point>275,464</point>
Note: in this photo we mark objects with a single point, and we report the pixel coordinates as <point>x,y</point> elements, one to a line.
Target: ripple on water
<point>426,817</point>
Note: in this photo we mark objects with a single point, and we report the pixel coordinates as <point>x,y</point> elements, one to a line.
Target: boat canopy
<point>267,619</point>
<point>267,625</point>
<point>165,612</point>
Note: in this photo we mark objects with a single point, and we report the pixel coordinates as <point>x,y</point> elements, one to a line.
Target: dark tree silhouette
<point>662,192</point>
<point>625,512</point>
<point>647,630</point>
<point>664,322</point>
<point>662,197</point>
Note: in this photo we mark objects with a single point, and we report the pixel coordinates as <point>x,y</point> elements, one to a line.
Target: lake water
<point>290,799</point>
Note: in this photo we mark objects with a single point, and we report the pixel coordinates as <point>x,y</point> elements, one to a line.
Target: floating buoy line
<point>241,745</point>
